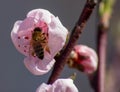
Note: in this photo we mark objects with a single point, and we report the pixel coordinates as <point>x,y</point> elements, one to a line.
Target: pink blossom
<point>56,36</point>
<point>83,58</point>
<point>60,85</point>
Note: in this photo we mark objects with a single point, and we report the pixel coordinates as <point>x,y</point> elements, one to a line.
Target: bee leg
<point>31,52</point>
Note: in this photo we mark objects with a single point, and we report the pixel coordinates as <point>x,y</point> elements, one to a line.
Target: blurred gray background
<point>14,77</point>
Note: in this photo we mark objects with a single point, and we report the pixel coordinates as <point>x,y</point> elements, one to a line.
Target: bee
<point>39,43</point>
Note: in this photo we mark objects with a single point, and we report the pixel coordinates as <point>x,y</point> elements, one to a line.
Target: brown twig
<point>77,30</point>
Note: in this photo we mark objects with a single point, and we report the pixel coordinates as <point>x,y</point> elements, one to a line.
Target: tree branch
<point>76,32</point>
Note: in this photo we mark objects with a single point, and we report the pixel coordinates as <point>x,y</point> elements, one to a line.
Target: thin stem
<point>98,80</point>
<point>76,32</point>
<point>101,50</point>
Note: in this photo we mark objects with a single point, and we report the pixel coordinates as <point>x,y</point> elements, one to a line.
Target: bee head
<point>36,34</point>
<point>37,29</point>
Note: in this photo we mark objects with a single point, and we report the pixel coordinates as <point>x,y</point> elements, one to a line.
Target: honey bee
<point>39,43</point>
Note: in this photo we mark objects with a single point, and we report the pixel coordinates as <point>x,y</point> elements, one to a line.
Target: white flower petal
<point>37,66</point>
<point>60,85</point>
<point>41,14</point>
<point>57,36</point>
<point>43,88</point>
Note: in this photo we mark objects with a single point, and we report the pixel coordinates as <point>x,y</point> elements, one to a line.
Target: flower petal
<point>41,15</point>
<point>28,24</point>
<point>57,35</point>
<point>64,85</point>
<point>43,88</point>
<point>37,66</point>
<point>60,85</point>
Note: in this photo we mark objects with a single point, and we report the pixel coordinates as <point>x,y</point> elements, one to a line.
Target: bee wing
<point>47,49</point>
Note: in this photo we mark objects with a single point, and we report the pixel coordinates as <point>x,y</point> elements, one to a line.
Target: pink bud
<point>50,28</point>
<point>83,58</point>
<point>60,85</point>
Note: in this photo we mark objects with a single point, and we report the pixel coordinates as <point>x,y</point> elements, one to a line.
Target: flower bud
<point>83,58</point>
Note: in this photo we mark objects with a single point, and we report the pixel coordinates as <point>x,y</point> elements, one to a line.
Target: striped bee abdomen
<point>39,51</point>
